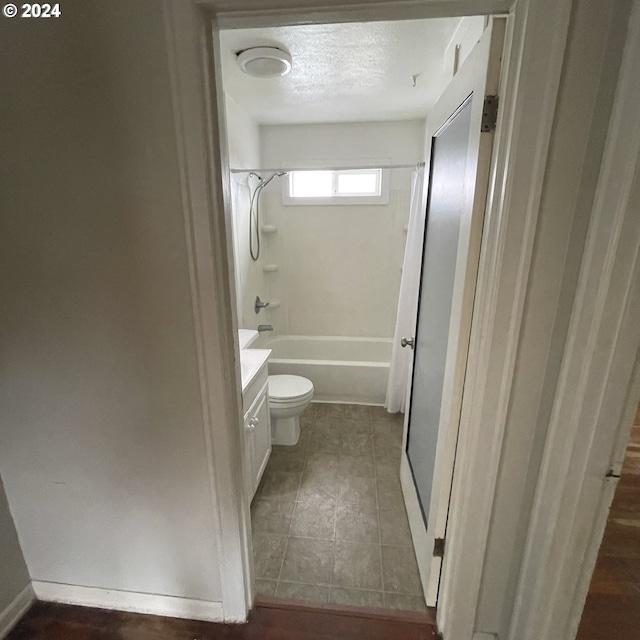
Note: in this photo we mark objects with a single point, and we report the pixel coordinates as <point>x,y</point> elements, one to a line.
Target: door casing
<point>528,101</point>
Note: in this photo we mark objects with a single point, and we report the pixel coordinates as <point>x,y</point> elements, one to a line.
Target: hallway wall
<point>14,576</point>
<point>102,446</point>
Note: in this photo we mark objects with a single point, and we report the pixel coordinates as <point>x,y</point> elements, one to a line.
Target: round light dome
<point>265,62</point>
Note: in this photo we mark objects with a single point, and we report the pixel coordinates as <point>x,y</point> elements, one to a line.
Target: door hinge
<point>438,548</point>
<point>615,471</point>
<point>489,114</point>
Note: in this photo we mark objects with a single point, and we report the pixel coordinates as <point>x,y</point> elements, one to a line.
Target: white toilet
<point>289,396</point>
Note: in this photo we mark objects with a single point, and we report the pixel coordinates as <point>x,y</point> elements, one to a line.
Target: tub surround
<point>338,266</point>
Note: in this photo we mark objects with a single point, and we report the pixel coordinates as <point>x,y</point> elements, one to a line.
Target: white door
<point>460,139</point>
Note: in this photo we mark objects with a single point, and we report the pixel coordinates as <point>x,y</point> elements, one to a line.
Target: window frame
<point>374,165</point>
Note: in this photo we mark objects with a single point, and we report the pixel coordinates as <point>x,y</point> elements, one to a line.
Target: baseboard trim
<point>16,609</point>
<point>267,602</point>
<point>169,606</point>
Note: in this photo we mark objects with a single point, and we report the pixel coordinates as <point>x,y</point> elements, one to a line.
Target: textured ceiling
<point>343,72</point>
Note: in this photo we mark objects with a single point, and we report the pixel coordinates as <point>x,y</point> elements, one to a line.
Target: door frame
<point>530,87</point>
<point>598,389</point>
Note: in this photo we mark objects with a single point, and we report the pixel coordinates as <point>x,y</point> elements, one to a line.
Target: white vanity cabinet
<point>257,429</point>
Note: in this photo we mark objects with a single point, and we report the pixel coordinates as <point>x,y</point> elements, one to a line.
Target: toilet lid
<point>285,387</point>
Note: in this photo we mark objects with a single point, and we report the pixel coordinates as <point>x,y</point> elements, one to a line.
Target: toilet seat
<point>286,389</point>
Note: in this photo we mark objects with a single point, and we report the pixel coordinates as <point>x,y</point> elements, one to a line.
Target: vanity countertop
<point>251,361</point>
<point>247,337</point>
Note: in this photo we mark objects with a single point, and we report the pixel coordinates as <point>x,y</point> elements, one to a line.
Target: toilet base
<point>285,431</point>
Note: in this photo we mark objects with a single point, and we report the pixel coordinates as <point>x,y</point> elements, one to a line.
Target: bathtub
<point>353,370</point>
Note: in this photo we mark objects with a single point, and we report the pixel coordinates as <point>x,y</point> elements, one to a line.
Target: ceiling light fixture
<point>264,62</point>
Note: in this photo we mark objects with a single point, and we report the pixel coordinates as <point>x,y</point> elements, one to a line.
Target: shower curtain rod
<point>414,165</point>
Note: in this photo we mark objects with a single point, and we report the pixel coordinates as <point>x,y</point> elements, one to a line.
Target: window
<point>344,186</point>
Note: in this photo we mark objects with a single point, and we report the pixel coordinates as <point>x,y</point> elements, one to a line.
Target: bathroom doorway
<point>327,203</point>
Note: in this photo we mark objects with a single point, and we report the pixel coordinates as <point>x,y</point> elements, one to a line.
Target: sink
<point>251,361</point>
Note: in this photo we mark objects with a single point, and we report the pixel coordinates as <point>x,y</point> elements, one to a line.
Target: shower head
<point>277,174</point>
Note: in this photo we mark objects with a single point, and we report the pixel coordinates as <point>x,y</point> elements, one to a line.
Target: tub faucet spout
<point>264,327</point>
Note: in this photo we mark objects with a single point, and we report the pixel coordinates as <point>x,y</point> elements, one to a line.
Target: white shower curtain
<point>408,298</point>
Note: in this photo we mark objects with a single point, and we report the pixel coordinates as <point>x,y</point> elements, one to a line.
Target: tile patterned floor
<point>329,522</point>
<point>612,609</point>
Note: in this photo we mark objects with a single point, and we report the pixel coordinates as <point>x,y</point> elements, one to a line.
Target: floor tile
<point>357,597</point>
<point>391,501</point>
<point>357,492</point>
<point>403,602</point>
<point>324,507</point>
<point>387,475</point>
<point>318,483</point>
<point>357,466</point>
<point>302,445</point>
<point>266,587</point>
<point>394,528</point>
<point>314,517</point>
<point>400,570</point>
<point>307,416</point>
<point>357,411</point>
<point>272,515</point>
<point>387,436</point>
<point>308,560</point>
<point>387,467</point>
<point>386,447</point>
<point>324,409</point>
<point>303,592</point>
<point>357,524</point>
<point>356,444</point>
<point>388,485</point>
<point>355,425</point>
<point>379,415</point>
<point>320,477</point>
<point>323,461</point>
<point>279,484</point>
<point>268,553</point>
<point>325,437</point>
<point>357,565</point>
<point>330,422</point>
<point>289,459</point>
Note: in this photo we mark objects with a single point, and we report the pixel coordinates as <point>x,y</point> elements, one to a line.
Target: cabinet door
<point>261,437</point>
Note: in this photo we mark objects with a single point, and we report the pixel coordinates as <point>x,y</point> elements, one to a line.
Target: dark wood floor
<point>612,610</point>
<point>46,621</point>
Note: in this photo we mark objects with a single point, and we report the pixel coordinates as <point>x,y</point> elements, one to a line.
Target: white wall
<point>243,140</point>
<point>339,266</point>
<point>584,105</point>
<point>102,446</point>
<point>465,38</point>
<point>14,576</point>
